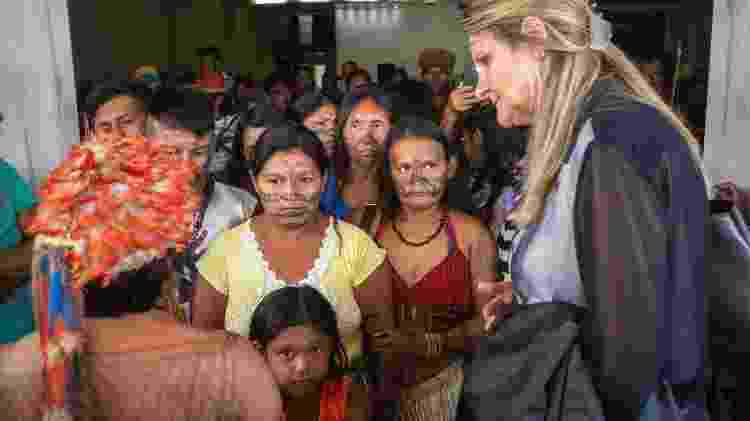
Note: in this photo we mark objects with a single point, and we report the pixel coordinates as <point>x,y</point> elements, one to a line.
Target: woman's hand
<point>462,99</point>
<point>500,293</point>
<point>727,190</point>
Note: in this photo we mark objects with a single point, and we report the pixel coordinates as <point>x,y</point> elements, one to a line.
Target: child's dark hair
<point>298,306</point>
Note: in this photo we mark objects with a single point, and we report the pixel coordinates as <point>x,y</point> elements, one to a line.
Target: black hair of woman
<point>298,306</point>
<point>289,137</point>
<point>457,195</point>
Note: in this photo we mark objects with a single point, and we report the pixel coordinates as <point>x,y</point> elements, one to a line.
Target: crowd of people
<point>531,247</point>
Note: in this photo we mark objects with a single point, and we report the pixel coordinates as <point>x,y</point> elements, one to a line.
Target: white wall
<point>37,85</point>
<point>727,144</point>
<point>376,35</point>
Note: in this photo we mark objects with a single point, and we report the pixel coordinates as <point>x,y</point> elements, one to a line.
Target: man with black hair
<point>141,363</point>
<point>224,206</point>
<point>117,109</point>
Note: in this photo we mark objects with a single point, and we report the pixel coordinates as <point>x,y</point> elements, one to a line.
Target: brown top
<point>148,367</point>
<point>439,301</point>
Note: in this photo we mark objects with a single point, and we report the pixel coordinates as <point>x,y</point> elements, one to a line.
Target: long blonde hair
<point>568,72</point>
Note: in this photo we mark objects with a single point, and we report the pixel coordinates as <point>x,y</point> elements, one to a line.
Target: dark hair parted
<point>298,306</point>
<point>289,137</point>
<point>457,195</point>
<point>310,103</point>
<point>108,90</point>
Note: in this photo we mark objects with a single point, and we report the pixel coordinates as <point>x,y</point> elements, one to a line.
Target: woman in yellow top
<point>293,243</point>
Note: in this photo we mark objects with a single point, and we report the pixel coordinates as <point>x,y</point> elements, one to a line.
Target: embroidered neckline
<point>313,278</point>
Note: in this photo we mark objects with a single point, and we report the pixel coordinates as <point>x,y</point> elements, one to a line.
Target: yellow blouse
<point>235,266</point>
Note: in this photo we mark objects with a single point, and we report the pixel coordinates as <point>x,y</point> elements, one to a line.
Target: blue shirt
<point>331,202</point>
<point>16,196</point>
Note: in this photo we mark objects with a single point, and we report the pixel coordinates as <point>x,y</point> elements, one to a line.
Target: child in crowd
<point>295,329</point>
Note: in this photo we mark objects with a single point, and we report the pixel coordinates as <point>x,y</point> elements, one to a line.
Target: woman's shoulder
<point>468,225</point>
<point>636,127</point>
<point>638,135</point>
<point>470,231</point>
<point>354,234</point>
<point>232,236</point>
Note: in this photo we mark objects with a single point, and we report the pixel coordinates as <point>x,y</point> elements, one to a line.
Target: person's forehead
<point>296,336</point>
<point>370,116</point>
<point>327,110</point>
<point>118,106</point>
<point>294,160</point>
<point>368,109</point>
<point>417,149</point>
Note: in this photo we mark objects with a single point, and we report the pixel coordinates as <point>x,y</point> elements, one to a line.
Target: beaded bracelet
<point>434,344</point>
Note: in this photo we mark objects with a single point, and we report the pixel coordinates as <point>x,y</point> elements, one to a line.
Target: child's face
<point>299,359</point>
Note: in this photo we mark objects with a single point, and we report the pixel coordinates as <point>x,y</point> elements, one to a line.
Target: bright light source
<point>269,1</point>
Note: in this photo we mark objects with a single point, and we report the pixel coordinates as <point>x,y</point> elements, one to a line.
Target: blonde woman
<point>613,216</point>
